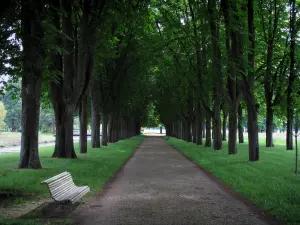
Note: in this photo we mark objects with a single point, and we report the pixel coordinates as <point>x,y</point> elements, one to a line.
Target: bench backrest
<point>60,184</point>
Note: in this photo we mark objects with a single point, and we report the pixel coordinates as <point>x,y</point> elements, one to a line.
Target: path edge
<point>261,213</point>
<point>110,181</point>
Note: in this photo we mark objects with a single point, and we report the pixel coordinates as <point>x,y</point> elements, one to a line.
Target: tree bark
<point>64,146</point>
<point>104,128</point>
<point>194,138</point>
<point>95,94</point>
<point>269,126</point>
<point>224,125</point>
<point>32,62</point>
<point>292,77</point>
<point>208,131</point>
<point>95,124</point>
<point>83,119</point>
<point>253,143</point>
<point>240,124</point>
<point>189,131</point>
<point>232,130</point>
<point>216,61</point>
<point>252,133</point>
<point>199,122</point>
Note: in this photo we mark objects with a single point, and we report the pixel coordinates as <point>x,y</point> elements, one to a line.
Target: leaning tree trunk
<point>83,119</point>
<point>240,124</point>
<point>208,131</point>
<point>104,128</point>
<point>33,57</point>
<point>269,126</point>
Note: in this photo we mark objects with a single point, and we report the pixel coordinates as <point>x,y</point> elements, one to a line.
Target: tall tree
<point>32,60</point>
<point>217,73</point>
<point>292,77</point>
<point>248,92</point>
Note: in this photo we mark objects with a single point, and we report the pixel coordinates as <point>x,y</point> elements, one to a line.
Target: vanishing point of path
<point>158,186</point>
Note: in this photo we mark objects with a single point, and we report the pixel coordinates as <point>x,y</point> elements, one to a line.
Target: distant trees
<point>2,115</point>
<point>14,112</point>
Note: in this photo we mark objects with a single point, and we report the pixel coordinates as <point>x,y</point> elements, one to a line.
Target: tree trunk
<point>217,71</point>
<point>194,138</point>
<point>95,125</point>
<point>64,146</point>
<point>189,131</point>
<point>32,62</point>
<point>253,143</point>
<point>203,130</point>
<point>109,128</point>
<point>240,124</point>
<point>199,122</point>
<point>253,134</point>
<point>217,125</point>
<point>95,93</point>
<point>83,119</point>
<point>208,131</point>
<point>292,77</point>
<point>104,128</point>
<point>269,127</point>
<point>232,129</point>
<point>224,125</point>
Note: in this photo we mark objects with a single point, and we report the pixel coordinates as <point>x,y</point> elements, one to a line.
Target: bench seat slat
<point>64,191</point>
<point>82,193</point>
<point>62,186</point>
<point>75,194</point>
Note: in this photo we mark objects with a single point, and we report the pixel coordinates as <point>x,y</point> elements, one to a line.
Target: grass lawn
<point>93,169</point>
<point>270,183</point>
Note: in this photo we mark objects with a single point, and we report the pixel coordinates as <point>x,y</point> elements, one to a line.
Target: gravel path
<point>158,186</point>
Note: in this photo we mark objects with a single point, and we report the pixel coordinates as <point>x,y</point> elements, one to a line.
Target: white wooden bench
<point>63,189</point>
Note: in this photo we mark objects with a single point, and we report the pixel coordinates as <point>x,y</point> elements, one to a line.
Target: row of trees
<point>221,57</point>
<point>76,55</point>
<point>196,63</point>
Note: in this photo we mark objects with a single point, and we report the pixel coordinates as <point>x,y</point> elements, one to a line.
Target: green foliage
<point>2,115</point>
<point>152,118</point>
<point>14,111</point>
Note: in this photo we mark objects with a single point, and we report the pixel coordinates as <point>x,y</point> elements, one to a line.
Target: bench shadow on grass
<point>52,210</point>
